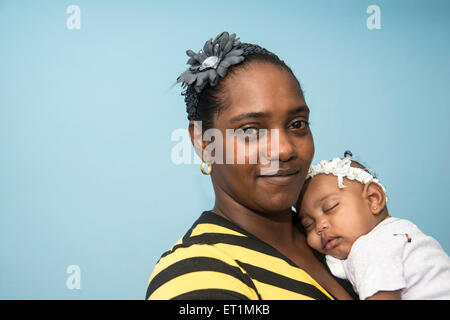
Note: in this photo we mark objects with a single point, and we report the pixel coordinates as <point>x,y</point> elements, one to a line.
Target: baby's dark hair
<point>357,164</point>
<point>211,100</point>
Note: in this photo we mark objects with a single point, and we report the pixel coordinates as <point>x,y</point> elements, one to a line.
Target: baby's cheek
<point>314,242</point>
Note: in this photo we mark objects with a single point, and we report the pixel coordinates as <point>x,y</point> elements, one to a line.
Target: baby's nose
<point>321,225</point>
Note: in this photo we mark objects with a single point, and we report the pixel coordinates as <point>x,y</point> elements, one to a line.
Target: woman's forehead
<point>258,82</point>
<point>262,90</point>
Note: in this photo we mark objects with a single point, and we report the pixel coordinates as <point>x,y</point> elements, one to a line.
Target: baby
<point>346,219</point>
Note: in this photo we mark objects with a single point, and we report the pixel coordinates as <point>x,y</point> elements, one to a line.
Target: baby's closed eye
<point>307,224</point>
<point>328,207</point>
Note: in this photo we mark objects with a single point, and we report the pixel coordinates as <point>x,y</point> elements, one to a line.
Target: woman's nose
<point>281,146</point>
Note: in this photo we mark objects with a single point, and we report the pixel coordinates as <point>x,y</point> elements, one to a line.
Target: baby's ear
<point>375,196</point>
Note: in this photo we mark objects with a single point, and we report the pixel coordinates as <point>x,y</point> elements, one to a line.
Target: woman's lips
<point>282,179</point>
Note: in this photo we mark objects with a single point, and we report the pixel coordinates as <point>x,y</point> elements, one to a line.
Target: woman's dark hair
<point>202,106</point>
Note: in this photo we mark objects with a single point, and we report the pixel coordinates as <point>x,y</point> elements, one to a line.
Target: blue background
<point>86,117</point>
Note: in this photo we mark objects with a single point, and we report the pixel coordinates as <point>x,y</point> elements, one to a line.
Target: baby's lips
<point>329,243</point>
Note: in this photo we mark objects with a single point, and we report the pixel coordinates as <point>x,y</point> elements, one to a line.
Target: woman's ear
<point>375,196</point>
<point>196,134</point>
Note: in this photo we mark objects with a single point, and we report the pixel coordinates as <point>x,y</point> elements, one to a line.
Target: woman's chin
<point>277,198</point>
<point>276,203</point>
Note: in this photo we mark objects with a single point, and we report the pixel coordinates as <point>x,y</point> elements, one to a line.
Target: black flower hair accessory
<point>212,61</point>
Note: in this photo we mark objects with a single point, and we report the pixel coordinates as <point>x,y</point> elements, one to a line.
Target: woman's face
<point>264,96</point>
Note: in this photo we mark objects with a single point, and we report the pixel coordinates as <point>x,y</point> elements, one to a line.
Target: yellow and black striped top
<point>219,260</point>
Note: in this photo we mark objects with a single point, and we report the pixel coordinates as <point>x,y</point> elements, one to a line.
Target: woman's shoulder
<point>203,240</point>
<point>208,230</point>
<point>197,266</point>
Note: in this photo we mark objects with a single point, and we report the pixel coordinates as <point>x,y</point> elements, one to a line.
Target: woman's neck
<point>274,228</point>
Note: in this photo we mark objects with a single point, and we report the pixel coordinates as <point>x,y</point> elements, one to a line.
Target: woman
<point>249,245</point>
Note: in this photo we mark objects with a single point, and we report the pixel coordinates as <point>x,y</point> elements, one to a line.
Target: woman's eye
<point>250,131</point>
<point>300,124</point>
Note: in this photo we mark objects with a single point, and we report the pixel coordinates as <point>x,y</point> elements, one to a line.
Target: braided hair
<point>202,106</point>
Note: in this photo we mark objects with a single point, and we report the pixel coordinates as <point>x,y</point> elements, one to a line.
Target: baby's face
<point>333,217</point>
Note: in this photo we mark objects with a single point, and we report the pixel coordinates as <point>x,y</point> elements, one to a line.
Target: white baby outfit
<point>384,260</point>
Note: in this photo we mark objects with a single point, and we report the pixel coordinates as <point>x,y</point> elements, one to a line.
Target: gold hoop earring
<point>202,168</point>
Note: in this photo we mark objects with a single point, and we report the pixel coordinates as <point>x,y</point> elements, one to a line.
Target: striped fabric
<point>218,260</point>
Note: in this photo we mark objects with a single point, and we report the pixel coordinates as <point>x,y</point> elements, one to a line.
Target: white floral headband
<point>342,168</point>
